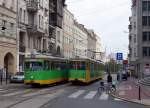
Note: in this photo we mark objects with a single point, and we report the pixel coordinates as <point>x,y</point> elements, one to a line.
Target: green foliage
<point>112,66</point>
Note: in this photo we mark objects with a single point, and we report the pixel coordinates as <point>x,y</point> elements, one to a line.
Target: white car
<point>17,78</point>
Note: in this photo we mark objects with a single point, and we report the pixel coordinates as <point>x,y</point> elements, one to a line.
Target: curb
<point>129,100</point>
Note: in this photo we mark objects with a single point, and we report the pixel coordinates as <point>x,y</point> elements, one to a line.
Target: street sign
<point>119,56</point>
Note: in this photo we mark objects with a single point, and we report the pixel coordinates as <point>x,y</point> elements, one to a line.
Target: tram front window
<point>34,66</point>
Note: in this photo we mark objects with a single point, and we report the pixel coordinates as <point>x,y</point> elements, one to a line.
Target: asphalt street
<point>60,96</point>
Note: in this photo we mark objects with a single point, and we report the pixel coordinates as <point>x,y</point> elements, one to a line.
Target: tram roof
<point>85,59</point>
<point>39,56</point>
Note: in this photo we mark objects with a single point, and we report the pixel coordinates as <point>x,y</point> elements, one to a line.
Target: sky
<point>108,18</point>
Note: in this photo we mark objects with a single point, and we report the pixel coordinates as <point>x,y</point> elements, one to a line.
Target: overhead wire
<point>104,10</point>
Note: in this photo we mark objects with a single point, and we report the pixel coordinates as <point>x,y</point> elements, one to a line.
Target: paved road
<point>61,96</point>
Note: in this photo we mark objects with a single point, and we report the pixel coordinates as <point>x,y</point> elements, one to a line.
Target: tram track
<point>43,91</point>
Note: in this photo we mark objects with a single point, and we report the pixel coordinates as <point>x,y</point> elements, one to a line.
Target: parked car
<point>17,78</point>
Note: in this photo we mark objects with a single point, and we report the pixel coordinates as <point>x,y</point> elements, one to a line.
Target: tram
<point>45,70</point>
<point>85,70</point>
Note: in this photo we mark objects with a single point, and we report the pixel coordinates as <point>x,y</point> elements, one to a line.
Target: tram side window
<point>78,65</point>
<point>35,66</point>
<point>46,65</point>
<point>55,66</point>
<point>83,66</point>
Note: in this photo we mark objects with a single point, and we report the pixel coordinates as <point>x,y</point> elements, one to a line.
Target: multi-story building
<point>8,47</point>
<point>56,26</point>
<point>68,26</point>
<point>139,37</point>
<point>91,52</point>
<point>33,32</point>
<point>98,48</point>
<point>80,38</point>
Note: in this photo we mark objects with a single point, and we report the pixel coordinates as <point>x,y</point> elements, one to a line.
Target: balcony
<point>32,28</point>
<point>130,27</point>
<point>32,5</point>
<point>22,48</point>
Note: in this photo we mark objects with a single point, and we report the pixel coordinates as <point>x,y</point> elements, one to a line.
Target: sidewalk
<point>129,91</point>
<point>12,85</point>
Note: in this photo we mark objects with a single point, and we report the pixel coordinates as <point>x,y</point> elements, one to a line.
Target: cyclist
<point>109,79</point>
<point>109,82</point>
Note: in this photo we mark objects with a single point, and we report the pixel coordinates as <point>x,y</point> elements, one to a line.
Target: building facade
<point>8,43</point>
<point>140,37</point>
<point>68,26</point>
<point>33,29</point>
<point>80,38</point>
<point>99,55</point>
<point>56,26</point>
<point>91,52</point>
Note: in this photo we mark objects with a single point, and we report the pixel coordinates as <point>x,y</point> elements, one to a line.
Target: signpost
<point>119,58</point>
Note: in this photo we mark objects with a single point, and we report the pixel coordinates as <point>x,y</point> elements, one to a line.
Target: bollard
<point>139,93</point>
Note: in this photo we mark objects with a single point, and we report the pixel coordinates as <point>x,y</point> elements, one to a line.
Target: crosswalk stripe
<point>53,94</point>
<point>90,95</point>
<point>76,94</point>
<point>104,96</point>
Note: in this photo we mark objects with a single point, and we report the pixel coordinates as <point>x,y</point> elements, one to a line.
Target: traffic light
<point>3,28</point>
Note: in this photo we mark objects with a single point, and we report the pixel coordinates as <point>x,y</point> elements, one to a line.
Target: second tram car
<point>85,70</point>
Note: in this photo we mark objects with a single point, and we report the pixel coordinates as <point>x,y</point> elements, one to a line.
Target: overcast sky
<point>108,18</point>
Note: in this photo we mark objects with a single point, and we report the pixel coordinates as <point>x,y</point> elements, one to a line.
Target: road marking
<point>53,94</point>
<point>15,93</point>
<point>90,95</point>
<point>116,99</point>
<point>121,93</point>
<point>104,96</point>
<point>76,94</point>
<point>31,94</point>
<point>38,101</point>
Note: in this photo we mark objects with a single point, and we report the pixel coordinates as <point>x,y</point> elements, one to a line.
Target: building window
<point>134,38</point>
<point>144,5</point>
<point>20,15</point>
<point>145,51</point>
<point>39,21</point>
<point>4,3</point>
<point>130,38</point>
<point>144,36</point>
<point>12,29</point>
<point>144,20</point>
<point>24,16</point>
<point>58,36</point>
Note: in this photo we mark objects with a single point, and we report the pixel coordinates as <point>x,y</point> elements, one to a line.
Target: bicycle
<point>102,87</point>
<point>111,88</point>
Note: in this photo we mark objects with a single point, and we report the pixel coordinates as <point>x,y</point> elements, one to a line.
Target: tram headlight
<point>31,77</point>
